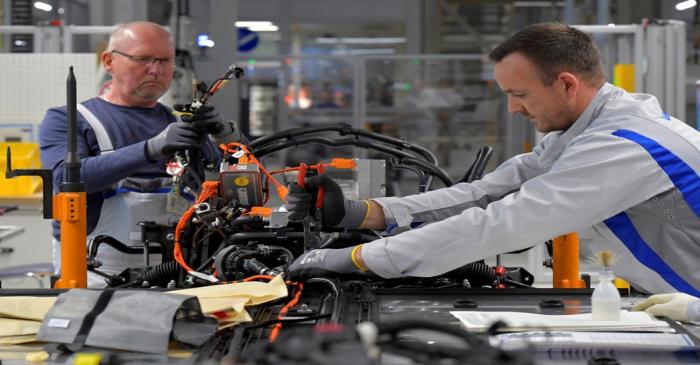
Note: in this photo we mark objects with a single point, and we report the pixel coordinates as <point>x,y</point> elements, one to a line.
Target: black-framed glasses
<point>146,60</point>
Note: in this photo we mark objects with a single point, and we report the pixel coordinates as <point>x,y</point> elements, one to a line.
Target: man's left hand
<point>207,120</point>
<point>204,120</point>
<point>671,305</point>
<point>323,263</point>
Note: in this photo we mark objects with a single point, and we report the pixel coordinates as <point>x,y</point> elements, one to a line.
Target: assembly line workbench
<point>360,301</point>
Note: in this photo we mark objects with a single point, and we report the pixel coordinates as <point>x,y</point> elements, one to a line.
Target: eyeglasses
<point>147,60</point>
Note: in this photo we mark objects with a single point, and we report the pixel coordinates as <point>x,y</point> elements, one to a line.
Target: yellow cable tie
<point>369,209</point>
<point>354,259</point>
<point>177,113</point>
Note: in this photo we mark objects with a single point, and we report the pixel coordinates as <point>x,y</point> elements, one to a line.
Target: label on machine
<point>242,183</point>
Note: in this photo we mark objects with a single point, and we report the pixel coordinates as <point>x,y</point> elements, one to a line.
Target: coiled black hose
<point>478,273</point>
<point>162,273</point>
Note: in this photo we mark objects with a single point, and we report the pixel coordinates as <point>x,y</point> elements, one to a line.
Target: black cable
<point>397,147</point>
<point>476,351</point>
<point>423,180</point>
<point>404,156</point>
<point>476,170</point>
<point>342,129</point>
<point>516,284</point>
<point>482,162</point>
<point>290,320</point>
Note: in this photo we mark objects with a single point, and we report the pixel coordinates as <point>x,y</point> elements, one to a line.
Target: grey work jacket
<point>624,175</point>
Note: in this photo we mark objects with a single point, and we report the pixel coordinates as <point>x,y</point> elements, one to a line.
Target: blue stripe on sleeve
<point>683,176</point>
<point>622,227</point>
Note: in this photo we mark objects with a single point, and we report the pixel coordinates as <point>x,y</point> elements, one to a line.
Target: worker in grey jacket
<point>614,167</point>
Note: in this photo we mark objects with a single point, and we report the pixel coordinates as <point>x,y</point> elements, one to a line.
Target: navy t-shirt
<point>128,129</point>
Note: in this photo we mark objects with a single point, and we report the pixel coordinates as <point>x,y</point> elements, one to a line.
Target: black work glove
<point>206,120</point>
<point>176,137</point>
<point>323,262</point>
<point>301,202</point>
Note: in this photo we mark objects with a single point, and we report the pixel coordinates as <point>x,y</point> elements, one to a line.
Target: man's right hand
<point>326,262</point>
<point>176,137</point>
<point>302,201</point>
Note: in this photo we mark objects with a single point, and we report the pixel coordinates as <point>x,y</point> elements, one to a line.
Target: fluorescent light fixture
<point>538,4</point>
<point>686,4</point>
<point>42,6</point>
<point>358,52</point>
<point>261,26</point>
<point>242,24</point>
<point>361,40</point>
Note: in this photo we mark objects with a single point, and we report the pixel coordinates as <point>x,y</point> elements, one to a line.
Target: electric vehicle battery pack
<point>242,183</point>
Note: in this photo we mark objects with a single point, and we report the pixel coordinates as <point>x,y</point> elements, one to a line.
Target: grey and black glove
<point>207,120</point>
<point>176,137</point>
<point>324,262</point>
<point>336,210</point>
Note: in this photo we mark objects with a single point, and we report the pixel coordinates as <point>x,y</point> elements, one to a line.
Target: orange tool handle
<point>71,210</point>
<point>321,189</point>
<point>565,262</point>
<point>301,176</point>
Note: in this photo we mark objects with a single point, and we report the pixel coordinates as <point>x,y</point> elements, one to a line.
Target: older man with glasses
<point>126,138</point>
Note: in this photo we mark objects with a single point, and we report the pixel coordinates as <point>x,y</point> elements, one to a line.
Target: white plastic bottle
<point>606,302</point>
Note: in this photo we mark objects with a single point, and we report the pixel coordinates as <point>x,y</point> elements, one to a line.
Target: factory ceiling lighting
<point>361,40</point>
<point>538,4</point>
<point>686,4</point>
<point>42,6</point>
<point>258,26</point>
<point>358,52</point>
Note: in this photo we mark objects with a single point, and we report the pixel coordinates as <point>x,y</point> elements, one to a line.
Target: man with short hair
<point>614,167</point>
<point>125,139</point>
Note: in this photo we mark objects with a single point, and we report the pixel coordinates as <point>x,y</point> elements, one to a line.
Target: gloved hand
<point>299,202</point>
<point>323,262</point>
<point>673,305</point>
<point>206,120</point>
<point>336,211</point>
<point>176,137</point>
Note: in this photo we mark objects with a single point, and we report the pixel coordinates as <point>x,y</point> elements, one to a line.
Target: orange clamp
<point>71,210</point>
<point>565,262</point>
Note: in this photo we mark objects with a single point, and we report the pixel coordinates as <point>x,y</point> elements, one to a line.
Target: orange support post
<point>70,208</point>
<point>565,262</point>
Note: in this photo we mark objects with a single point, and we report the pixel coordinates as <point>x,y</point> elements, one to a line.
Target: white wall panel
<point>32,83</point>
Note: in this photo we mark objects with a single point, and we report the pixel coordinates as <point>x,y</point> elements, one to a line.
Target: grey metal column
<point>569,12</point>
<point>678,50</point>
<point>603,12</point>
<point>414,27</point>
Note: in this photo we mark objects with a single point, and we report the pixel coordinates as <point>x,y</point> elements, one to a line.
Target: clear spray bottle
<point>605,302</point>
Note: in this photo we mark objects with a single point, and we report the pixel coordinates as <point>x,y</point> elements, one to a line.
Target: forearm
<point>375,218</point>
<point>436,205</point>
<point>693,310</point>
<point>100,172</point>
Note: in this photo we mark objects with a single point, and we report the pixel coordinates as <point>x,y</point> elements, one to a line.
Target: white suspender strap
<point>100,132</point>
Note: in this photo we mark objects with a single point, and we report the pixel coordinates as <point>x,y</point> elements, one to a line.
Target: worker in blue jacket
<point>614,166</point>
<point>125,139</point>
